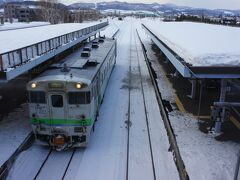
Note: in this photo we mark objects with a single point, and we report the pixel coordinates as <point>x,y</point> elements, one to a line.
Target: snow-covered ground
<point>15,39</point>
<point>21,25</point>
<point>13,130</point>
<point>204,157</point>
<point>113,27</point>
<point>105,158</point>
<point>200,44</point>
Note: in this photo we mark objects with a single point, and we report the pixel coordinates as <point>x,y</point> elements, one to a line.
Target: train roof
<point>75,68</point>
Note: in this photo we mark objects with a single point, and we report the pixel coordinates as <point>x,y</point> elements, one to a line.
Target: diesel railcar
<point>64,100</point>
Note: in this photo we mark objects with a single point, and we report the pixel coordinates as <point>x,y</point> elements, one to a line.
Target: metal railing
<point>17,57</point>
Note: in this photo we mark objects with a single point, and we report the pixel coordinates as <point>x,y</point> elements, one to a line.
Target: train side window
<point>57,101</point>
<point>79,97</point>
<point>37,97</point>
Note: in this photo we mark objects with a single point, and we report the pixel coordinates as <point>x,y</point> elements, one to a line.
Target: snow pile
<point>20,25</point>
<point>200,44</point>
<point>204,157</point>
<point>15,39</point>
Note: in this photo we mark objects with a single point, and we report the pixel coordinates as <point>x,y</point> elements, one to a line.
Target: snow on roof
<point>20,25</point>
<point>15,39</point>
<point>200,44</point>
<point>1,10</point>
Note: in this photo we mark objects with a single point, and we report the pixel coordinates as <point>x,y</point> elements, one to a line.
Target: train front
<point>60,112</point>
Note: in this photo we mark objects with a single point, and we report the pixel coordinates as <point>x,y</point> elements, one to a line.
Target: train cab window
<point>79,98</point>
<point>57,101</point>
<point>37,97</point>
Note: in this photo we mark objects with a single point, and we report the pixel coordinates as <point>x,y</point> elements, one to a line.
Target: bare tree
<point>50,11</point>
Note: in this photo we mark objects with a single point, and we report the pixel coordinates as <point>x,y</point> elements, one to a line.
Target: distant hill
<point>154,7</point>
<point>166,8</point>
<point>82,6</point>
<point>137,6</point>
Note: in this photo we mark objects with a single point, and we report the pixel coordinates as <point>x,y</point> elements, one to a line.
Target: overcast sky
<point>211,4</point>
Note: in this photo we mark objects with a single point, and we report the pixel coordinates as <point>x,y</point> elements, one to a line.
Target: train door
<point>57,107</point>
<point>98,89</point>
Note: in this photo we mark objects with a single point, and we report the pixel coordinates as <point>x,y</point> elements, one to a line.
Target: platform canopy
<point>24,49</point>
<point>202,47</point>
<point>15,39</point>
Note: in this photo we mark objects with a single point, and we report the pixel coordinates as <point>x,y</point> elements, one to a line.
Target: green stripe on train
<point>84,122</point>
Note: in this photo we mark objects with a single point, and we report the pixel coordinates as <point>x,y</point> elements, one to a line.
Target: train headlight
<point>33,85</point>
<point>78,85</point>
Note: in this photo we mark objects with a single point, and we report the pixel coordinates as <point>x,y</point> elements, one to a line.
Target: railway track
<point>52,164</point>
<point>135,70</point>
<point>145,108</point>
<point>173,143</point>
<point>62,165</point>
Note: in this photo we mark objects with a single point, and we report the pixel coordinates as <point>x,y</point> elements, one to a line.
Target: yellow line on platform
<point>179,104</point>
<point>203,117</point>
<point>235,122</point>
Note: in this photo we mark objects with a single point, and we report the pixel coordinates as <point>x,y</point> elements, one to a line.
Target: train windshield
<point>79,98</point>
<point>37,97</point>
<point>57,101</point>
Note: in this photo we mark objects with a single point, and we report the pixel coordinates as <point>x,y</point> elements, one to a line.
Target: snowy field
<point>21,25</point>
<point>106,156</point>
<point>200,44</point>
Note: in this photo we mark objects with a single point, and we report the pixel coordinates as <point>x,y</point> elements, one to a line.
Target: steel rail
<point>172,139</point>
<point>69,162</point>
<point>44,162</point>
